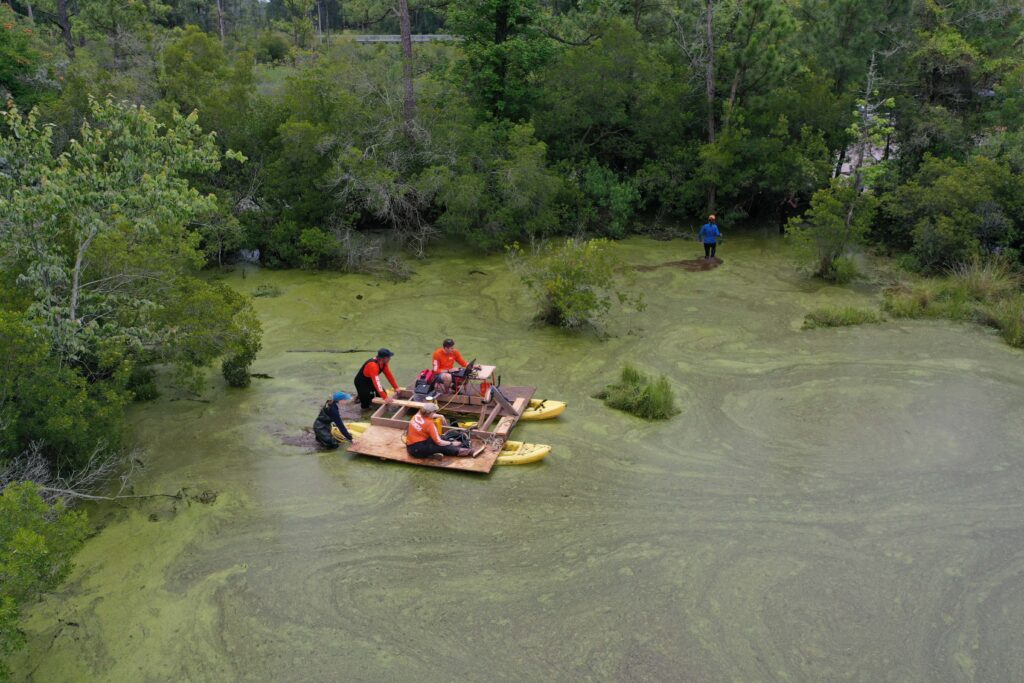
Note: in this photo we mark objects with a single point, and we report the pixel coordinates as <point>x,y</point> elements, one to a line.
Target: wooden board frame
<point>389,423</point>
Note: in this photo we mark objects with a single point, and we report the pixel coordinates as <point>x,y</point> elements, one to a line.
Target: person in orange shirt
<point>422,439</point>
<point>444,361</point>
<point>367,380</point>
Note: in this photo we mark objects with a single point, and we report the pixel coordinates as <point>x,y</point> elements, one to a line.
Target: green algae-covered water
<point>837,504</point>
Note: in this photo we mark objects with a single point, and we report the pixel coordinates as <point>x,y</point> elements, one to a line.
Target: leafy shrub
<point>236,370</point>
<point>271,47</point>
<point>317,249</point>
<point>640,395</point>
<point>843,270</point>
<point>245,335</point>
<point>836,223</point>
<point>46,402</point>
<point>840,317</point>
<point>573,280</point>
<point>37,542</point>
<point>612,201</point>
<point>142,383</point>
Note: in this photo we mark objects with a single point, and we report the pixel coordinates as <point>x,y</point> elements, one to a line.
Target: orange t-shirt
<point>444,361</point>
<point>420,429</point>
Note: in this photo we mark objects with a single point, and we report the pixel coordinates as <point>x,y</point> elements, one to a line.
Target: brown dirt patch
<point>695,265</point>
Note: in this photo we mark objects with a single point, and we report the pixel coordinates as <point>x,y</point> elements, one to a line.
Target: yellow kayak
<point>354,428</point>
<point>513,453</point>
<point>519,453</point>
<point>543,409</point>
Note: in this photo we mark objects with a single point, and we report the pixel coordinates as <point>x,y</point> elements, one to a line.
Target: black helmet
<point>448,342</point>
<point>384,353</point>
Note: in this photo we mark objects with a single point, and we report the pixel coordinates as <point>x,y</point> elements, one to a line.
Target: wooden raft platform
<point>495,417</point>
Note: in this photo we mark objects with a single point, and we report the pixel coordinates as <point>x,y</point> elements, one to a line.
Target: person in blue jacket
<point>708,236</point>
<point>330,414</point>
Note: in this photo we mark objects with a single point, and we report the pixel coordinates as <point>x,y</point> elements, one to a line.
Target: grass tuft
<point>640,395</point>
<point>1007,316</point>
<point>986,292</point>
<point>833,316</point>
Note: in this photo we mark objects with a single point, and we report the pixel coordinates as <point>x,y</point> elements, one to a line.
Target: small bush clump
<point>640,395</point>
<point>843,270</point>
<point>840,317</point>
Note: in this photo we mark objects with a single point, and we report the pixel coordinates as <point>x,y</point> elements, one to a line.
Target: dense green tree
<point>98,236</point>
<point>21,58</point>
<point>504,50</point>
<point>951,211</point>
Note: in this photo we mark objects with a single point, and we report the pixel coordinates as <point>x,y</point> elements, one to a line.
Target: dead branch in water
<point>84,482</point>
<point>88,496</point>
<point>331,351</point>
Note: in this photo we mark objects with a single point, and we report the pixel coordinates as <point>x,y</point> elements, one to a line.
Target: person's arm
<point>436,365</point>
<point>336,418</point>
<point>391,378</point>
<point>432,432</point>
<point>459,359</point>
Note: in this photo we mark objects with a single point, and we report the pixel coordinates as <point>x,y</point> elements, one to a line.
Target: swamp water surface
<point>839,504</point>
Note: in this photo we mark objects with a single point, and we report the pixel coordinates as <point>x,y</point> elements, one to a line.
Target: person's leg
<point>444,382</point>
<point>423,449</point>
<point>331,444</point>
<point>713,245</point>
<point>366,398</point>
<point>707,250</point>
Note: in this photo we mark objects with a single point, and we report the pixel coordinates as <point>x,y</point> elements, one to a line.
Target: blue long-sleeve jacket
<point>709,233</point>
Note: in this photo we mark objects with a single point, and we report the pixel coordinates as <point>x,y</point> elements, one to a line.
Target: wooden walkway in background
<point>416,38</point>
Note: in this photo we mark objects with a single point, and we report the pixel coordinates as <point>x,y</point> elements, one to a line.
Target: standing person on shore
<point>709,236</point>
<point>367,380</point>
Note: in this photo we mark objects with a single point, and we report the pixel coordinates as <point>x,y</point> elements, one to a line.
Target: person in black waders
<point>330,416</point>
<point>367,380</point>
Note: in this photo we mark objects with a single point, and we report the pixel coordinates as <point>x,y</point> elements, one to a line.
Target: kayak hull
<point>543,409</point>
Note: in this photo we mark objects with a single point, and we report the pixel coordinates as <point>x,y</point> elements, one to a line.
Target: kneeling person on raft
<point>329,419</point>
<point>444,361</point>
<point>367,380</point>
<point>422,439</point>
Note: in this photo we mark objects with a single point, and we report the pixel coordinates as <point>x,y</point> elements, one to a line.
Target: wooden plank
<point>506,423</point>
<point>386,443</point>
<point>490,418</point>
<point>400,402</point>
<point>390,422</point>
<point>507,407</point>
<point>461,399</point>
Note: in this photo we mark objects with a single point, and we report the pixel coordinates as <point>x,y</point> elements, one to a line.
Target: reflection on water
<point>831,505</point>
